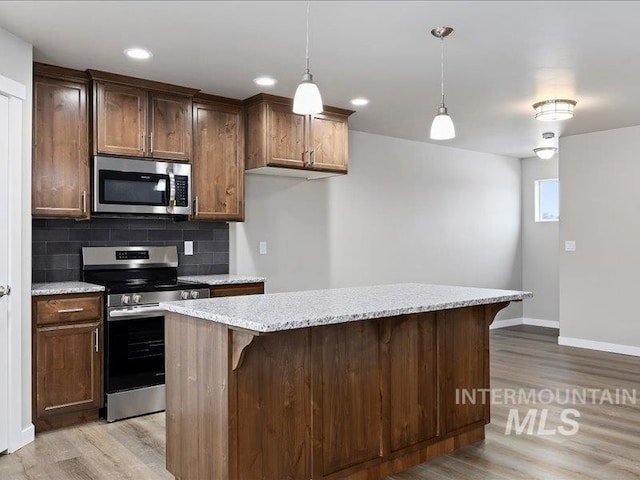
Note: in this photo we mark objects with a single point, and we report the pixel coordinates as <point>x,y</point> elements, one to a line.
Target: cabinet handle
<point>97,339</point>
<point>195,207</point>
<point>312,156</point>
<point>84,202</point>
<point>151,143</point>
<point>144,142</point>
<point>71,310</point>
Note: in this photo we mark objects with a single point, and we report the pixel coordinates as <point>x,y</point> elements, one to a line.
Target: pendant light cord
<point>442,69</point>
<point>307,50</point>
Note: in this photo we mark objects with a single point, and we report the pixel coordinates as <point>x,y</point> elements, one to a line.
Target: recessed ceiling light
<point>265,81</point>
<point>358,102</point>
<point>138,53</point>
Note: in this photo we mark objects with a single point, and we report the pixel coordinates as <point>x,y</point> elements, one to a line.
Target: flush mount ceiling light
<point>138,53</point>
<point>442,127</point>
<point>554,110</point>
<point>307,100</point>
<point>359,102</point>
<point>265,81</point>
<point>548,151</point>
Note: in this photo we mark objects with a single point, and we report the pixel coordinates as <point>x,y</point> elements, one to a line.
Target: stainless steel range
<point>136,280</point>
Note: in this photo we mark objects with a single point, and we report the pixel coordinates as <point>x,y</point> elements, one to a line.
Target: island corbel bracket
<point>240,340</point>
<point>492,310</point>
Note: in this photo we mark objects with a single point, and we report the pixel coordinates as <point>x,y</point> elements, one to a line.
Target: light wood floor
<point>607,446</point>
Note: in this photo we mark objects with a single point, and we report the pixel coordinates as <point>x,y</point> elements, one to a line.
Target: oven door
<point>134,362</point>
<point>124,185</point>
<point>135,348</point>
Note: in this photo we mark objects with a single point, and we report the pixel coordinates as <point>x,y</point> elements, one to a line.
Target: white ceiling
<point>503,57</point>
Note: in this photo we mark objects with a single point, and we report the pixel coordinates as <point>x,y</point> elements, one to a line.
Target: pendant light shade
<point>307,100</point>
<point>442,127</point>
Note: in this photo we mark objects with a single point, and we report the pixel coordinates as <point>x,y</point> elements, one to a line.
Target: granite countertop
<point>222,279</point>
<point>62,288</point>
<point>287,311</point>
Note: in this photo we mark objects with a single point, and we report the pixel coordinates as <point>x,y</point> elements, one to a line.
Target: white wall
<point>540,247</point>
<point>406,212</point>
<point>600,210</point>
<point>16,64</point>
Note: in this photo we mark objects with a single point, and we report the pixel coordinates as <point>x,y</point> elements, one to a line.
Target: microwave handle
<point>172,191</point>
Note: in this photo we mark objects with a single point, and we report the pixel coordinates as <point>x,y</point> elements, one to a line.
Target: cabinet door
<point>60,179</point>
<point>120,120</point>
<point>288,136</point>
<point>69,368</point>
<point>170,136</point>
<point>218,162</point>
<point>329,143</point>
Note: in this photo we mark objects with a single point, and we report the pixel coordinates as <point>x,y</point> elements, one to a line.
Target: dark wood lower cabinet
<point>234,290</point>
<point>67,360</point>
<point>358,400</point>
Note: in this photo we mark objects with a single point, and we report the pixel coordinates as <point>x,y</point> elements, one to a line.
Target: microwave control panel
<point>182,191</point>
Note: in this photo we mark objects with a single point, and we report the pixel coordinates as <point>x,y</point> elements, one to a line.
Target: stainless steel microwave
<point>127,185</point>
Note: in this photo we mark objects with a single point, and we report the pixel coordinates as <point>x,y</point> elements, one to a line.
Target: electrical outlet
<point>263,248</point>
<point>188,248</point>
<point>570,246</point>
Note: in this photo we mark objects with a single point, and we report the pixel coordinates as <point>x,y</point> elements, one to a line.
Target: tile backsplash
<point>57,243</point>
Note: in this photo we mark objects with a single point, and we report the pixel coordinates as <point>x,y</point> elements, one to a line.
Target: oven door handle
<point>115,315</point>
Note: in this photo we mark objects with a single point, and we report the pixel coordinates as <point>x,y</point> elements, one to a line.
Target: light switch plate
<point>263,248</point>
<point>570,246</point>
<point>188,248</point>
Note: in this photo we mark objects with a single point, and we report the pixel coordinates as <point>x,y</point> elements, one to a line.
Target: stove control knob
<point>136,298</point>
<point>195,294</point>
<point>184,295</point>
<point>126,299</point>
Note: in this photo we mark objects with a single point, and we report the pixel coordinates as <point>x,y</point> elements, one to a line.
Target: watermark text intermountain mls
<point>546,396</point>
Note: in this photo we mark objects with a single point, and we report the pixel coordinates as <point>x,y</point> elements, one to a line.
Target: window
<point>547,200</point>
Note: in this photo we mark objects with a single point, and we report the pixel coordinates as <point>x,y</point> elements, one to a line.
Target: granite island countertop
<point>64,288</point>
<point>222,279</point>
<point>287,311</point>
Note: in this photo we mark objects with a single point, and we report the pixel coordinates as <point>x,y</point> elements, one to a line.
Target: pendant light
<point>442,127</point>
<point>307,100</point>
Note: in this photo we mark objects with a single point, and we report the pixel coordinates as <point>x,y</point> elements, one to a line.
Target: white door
<point>4,275</point>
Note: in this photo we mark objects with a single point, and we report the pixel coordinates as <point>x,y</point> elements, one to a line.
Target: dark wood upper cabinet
<point>329,145</point>
<point>287,137</point>
<point>218,161</point>
<point>120,120</point>
<point>170,119</point>
<point>277,137</point>
<point>141,118</point>
<point>60,179</point>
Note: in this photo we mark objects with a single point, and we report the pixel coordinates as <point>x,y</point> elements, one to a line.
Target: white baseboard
<point>507,322</point>
<point>25,437</point>
<point>537,322</point>
<point>510,322</point>
<point>601,346</point>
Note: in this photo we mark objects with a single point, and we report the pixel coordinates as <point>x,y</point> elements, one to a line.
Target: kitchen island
<point>355,383</point>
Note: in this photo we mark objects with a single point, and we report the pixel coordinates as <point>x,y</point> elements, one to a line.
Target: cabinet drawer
<point>51,310</point>
<point>237,289</point>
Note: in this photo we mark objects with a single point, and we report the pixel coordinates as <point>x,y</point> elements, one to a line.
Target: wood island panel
<point>359,400</point>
